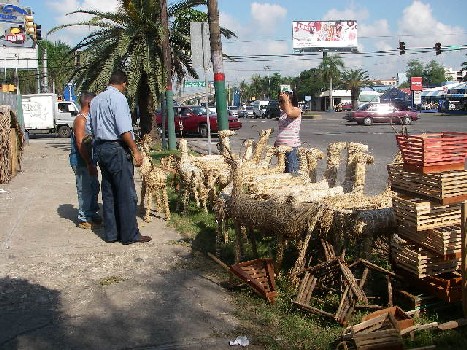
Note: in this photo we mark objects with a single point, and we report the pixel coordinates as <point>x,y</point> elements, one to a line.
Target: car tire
<point>64,131</point>
<point>203,130</point>
<point>406,120</point>
<point>367,121</point>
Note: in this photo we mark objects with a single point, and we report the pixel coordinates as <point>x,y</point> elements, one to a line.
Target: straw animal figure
<point>155,184</point>
<point>280,217</point>
<point>355,172</point>
<point>261,145</point>
<point>333,161</point>
<point>191,179</point>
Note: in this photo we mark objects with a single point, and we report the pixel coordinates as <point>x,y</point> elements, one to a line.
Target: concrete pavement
<point>62,287</point>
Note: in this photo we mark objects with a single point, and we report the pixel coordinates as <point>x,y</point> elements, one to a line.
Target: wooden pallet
<point>445,188</point>
<point>433,152</point>
<point>440,241</point>
<point>259,274</point>
<point>422,214</point>
<point>420,262</point>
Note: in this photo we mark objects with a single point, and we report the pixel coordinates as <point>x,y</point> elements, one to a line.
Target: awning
<point>432,93</point>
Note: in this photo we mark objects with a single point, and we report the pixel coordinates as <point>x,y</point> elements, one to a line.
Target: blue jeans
<point>291,161</point>
<point>87,188</point>
<point>118,192</point>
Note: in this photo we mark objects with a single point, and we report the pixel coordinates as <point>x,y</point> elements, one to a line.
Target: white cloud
<point>423,29</point>
<point>60,9</point>
<point>266,16</point>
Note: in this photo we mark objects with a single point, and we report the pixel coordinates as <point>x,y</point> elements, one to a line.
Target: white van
<point>259,108</point>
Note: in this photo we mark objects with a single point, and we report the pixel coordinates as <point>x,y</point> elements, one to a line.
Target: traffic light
<point>438,48</point>
<point>401,47</point>
<point>29,25</point>
<point>37,32</point>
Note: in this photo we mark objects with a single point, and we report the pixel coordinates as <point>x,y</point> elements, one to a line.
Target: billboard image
<point>12,26</point>
<point>316,35</point>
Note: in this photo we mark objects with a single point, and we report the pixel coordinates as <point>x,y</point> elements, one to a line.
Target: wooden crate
<point>441,240</point>
<point>445,188</point>
<point>421,214</point>
<point>420,262</point>
<point>447,287</point>
<point>382,340</point>
<point>259,274</point>
<point>401,319</point>
<point>433,152</point>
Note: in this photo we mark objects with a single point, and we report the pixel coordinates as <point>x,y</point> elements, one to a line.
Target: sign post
<point>201,57</point>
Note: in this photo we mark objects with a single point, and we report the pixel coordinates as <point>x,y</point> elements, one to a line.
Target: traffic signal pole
<point>217,64</point>
<point>169,95</point>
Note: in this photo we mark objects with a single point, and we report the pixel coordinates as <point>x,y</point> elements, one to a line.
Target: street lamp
<point>267,69</point>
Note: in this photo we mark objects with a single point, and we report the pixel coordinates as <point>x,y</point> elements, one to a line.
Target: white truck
<point>44,113</point>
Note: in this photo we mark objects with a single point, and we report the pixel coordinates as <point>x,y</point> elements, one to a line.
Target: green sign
<point>195,83</point>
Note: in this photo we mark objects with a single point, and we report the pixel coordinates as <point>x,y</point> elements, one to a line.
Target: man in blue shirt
<point>115,151</point>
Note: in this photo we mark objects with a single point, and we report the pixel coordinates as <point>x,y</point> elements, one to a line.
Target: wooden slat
<point>418,261</point>
<point>422,215</point>
<point>446,187</point>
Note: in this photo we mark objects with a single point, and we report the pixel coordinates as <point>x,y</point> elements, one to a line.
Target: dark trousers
<point>119,199</point>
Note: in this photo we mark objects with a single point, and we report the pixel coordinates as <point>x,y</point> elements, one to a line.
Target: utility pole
<point>45,81</point>
<point>168,75</point>
<point>217,64</point>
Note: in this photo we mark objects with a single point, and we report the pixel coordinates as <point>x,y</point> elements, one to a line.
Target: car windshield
<point>200,110</point>
<point>249,108</point>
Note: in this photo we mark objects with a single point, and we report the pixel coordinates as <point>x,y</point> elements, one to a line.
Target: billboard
<point>318,35</point>
<point>12,26</point>
<point>416,83</point>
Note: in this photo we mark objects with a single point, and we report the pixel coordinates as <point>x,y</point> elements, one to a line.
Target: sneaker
<point>97,220</point>
<point>85,225</point>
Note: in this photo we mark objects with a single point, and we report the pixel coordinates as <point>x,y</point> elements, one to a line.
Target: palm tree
<point>330,69</point>
<point>354,80</point>
<point>130,39</point>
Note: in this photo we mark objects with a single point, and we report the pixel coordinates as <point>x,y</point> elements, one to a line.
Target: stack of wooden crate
<point>430,185</point>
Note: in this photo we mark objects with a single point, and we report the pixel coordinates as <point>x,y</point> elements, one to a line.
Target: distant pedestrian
<point>87,183</point>
<point>115,151</point>
<point>289,129</point>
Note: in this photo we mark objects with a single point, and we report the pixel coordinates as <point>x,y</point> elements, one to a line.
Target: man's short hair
<point>86,98</point>
<point>118,77</point>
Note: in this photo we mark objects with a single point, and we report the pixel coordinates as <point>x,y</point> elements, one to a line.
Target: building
<point>455,75</point>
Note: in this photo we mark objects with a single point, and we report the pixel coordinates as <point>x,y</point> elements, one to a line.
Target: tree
<point>354,80</point>
<point>433,73</point>
<point>130,39</point>
<point>330,69</point>
<point>60,64</point>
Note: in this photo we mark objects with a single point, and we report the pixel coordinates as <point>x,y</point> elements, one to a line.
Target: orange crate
<point>433,152</point>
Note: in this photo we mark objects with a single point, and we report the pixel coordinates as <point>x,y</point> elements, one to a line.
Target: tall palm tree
<point>130,39</point>
<point>354,80</point>
<point>330,69</point>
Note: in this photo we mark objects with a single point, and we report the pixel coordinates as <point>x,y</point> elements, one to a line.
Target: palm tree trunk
<point>217,64</point>
<point>331,98</point>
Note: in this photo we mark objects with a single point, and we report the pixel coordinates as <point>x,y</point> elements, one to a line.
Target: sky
<point>265,28</point>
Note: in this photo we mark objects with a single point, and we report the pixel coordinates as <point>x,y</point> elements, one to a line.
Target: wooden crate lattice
<point>433,152</point>
<point>422,214</point>
<point>441,240</point>
<point>420,262</point>
<point>445,188</point>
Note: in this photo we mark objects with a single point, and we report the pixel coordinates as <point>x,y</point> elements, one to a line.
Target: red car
<point>382,113</point>
<point>192,120</point>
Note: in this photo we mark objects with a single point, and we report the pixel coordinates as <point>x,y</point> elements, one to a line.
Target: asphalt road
<point>330,127</point>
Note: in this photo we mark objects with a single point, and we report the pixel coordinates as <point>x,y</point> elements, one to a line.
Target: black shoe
<point>141,239</point>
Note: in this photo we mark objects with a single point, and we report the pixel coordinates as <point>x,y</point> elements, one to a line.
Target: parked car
<point>193,120</point>
<point>259,108</point>
<point>247,112</point>
<point>343,106</point>
<point>233,110</point>
<point>370,113</point>
<point>272,110</point>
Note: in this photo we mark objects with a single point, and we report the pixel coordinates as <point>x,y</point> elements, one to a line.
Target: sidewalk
<point>62,287</point>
